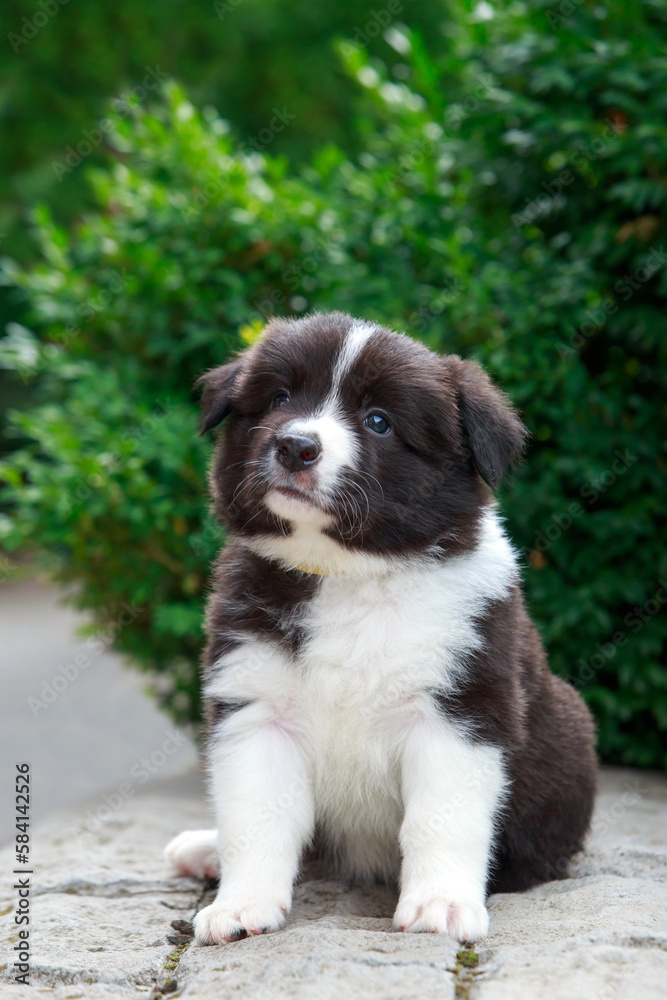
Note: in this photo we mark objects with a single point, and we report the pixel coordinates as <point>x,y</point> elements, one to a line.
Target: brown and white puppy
<point>372,675</point>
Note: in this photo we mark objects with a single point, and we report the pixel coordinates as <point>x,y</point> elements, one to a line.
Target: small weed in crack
<point>169,983</point>
<point>467,961</point>
<point>182,938</point>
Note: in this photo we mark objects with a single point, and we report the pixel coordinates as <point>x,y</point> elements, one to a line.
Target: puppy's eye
<point>280,399</point>
<point>377,422</point>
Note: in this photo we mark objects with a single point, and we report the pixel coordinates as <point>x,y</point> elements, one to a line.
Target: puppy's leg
<point>195,853</point>
<point>451,791</point>
<point>263,794</point>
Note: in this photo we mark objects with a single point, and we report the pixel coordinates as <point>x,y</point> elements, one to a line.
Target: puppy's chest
<point>371,646</point>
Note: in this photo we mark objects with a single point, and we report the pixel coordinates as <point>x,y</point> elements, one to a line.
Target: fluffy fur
<point>373,681</point>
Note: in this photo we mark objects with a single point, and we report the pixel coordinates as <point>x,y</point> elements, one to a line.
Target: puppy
<point>371,674</point>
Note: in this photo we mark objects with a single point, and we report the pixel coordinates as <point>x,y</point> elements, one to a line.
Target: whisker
<point>351,509</point>
<point>246,481</point>
<point>256,461</point>
<point>367,475</point>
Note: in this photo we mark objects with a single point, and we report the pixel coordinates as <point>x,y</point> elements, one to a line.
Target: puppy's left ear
<point>216,400</point>
<point>495,433</point>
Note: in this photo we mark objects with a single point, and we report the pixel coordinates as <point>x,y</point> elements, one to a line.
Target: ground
<point>70,707</point>
<point>104,904</point>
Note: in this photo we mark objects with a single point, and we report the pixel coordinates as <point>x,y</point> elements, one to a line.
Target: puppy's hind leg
<point>195,853</point>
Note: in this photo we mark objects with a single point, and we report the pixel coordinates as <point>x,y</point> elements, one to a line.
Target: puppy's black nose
<point>296,451</point>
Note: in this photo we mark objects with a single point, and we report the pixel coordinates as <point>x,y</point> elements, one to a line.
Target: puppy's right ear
<point>216,400</point>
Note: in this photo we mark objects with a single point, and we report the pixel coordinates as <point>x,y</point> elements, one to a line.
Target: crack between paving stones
<point>641,941</point>
<point>374,962</point>
<point>465,971</point>
<point>169,981</point>
<point>122,887</point>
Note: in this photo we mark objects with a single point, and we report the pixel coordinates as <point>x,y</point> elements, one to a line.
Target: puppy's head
<point>346,430</point>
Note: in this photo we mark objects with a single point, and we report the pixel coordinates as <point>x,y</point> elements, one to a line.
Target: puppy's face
<point>359,433</point>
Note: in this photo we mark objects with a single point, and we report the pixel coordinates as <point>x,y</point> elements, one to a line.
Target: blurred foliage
<point>507,201</point>
<point>64,59</point>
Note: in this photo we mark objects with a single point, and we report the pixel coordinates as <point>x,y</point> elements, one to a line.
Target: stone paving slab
<point>103,905</point>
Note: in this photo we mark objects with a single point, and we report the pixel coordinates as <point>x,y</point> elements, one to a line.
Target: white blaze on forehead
<point>353,345</point>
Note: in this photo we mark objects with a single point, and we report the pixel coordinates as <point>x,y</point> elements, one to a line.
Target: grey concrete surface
<point>99,726</point>
<point>104,900</point>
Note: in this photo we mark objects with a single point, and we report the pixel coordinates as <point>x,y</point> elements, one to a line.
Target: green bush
<point>508,204</point>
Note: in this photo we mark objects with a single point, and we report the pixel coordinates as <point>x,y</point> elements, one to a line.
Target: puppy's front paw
<point>195,853</point>
<point>227,920</point>
<point>464,920</point>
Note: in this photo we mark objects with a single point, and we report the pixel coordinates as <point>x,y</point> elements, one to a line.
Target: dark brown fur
<point>512,699</point>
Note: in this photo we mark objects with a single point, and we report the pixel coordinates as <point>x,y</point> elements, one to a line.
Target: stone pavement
<point>69,706</point>
<point>104,900</point>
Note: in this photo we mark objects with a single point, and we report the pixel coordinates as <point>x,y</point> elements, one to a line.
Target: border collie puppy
<point>372,677</point>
